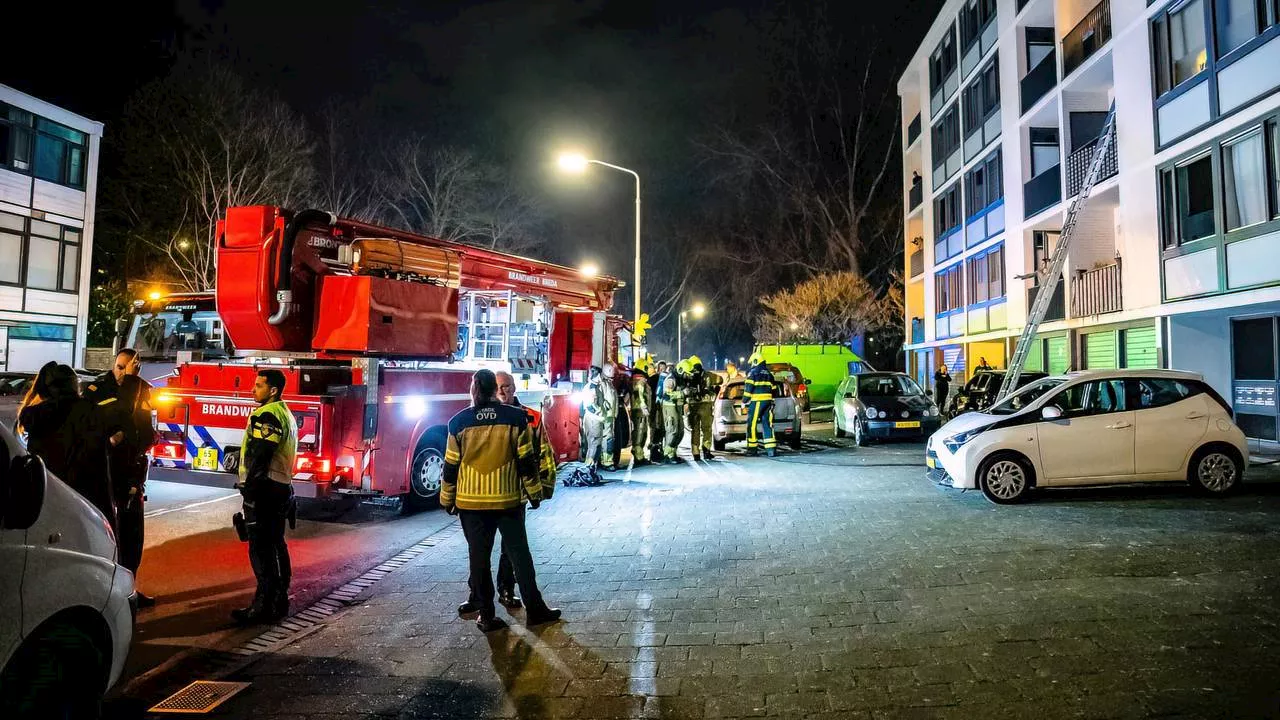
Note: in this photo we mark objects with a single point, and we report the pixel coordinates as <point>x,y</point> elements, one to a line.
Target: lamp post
<point>698,310</point>
<point>577,163</point>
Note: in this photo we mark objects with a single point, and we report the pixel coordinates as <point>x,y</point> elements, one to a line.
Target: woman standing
<point>70,435</point>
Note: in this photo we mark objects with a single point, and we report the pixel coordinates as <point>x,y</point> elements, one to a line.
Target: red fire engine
<point>378,332</point>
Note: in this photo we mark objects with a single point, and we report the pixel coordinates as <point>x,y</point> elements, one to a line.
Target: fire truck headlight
<point>415,407</point>
<point>582,397</point>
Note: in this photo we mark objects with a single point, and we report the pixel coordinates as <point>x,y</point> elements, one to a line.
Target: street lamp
<point>698,310</point>
<point>589,270</point>
<point>577,163</point>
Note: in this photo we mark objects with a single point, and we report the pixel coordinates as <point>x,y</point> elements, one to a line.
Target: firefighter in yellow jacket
<point>490,469</point>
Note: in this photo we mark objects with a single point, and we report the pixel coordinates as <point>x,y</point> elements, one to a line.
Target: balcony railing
<point>1085,38</point>
<point>1096,291</point>
<point>1042,191</point>
<point>915,196</point>
<point>913,129</point>
<point>1078,164</point>
<point>916,263</point>
<point>1039,81</point>
<point>1057,308</point>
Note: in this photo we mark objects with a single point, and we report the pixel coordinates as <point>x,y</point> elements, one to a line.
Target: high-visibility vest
<point>281,469</point>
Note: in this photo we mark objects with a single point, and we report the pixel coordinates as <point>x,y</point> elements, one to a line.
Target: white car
<point>1094,428</point>
<point>66,608</point>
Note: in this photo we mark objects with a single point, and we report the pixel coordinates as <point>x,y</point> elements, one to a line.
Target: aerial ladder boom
<point>1045,295</point>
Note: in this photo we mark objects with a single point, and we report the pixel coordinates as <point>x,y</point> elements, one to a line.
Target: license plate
<point>207,458</point>
<point>907,424</point>
<point>931,462</point>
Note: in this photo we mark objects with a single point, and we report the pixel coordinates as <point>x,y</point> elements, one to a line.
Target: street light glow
<point>154,295</point>
<point>699,310</point>
<point>573,162</point>
<point>589,270</point>
<point>184,244</point>
<point>794,327</point>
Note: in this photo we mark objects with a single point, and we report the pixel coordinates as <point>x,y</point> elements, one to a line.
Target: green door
<point>1059,355</point>
<point>1035,356</point>
<point>1100,351</point>
<point>1140,348</point>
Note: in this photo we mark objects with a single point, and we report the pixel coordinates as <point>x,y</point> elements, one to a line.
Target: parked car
<point>1094,428</point>
<point>729,418</point>
<point>883,405</point>
<point>980,391</point>
<point>791,375</point>
<point>66,607</point>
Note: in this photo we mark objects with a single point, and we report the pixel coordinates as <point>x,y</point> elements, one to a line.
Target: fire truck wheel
<point>231,460</point>
<point>427,472</point>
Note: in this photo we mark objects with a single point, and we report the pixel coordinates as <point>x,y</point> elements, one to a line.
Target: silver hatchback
<point>729,419</point>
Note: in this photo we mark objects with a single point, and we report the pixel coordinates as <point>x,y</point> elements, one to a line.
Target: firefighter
<point>672,402</point>
<point>641,404</point>
<point>126,399</point>
<point>657,430</point>
<point>600,413</point>
<point>267,455</point>
<point>702,388</point>
<point>758,392</point>
<point>490,469</point>
<point>547,477</point>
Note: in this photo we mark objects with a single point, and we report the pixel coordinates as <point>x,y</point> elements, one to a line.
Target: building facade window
<point>946,211</point>
<point>1244,180</point>
<point>982,97</point>
<point>946,136</point>
<point>15,138</point>
<point>986,276</point>
<point>943,61</point>
<point>1187,199</point>
<point>984,184</point>
<point>1039,45</point>
<point>1236,22</point>
<point>974,17</point>
<point>1179,44</point>
<point>46,256</point>
<point>948,289</point>
<point>1044,149</point>
<point>51,151</point>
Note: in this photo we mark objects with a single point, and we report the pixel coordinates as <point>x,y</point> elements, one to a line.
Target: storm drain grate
<point>199,697</point>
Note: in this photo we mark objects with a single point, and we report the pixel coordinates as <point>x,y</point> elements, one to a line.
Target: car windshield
<point>887,386</point>
<point>786,375</point>
<point>1025,396</point>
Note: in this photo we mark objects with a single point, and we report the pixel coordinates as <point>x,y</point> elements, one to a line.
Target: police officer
<point>490,469</point>
<point>267,454</point>
<point>125,400</point>
<point>758,392</point>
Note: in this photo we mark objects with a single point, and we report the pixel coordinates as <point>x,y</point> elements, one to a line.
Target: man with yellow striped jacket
<point>490,468</point>
<point>758,394</point>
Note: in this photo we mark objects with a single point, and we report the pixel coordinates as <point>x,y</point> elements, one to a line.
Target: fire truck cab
<point>378,332</point>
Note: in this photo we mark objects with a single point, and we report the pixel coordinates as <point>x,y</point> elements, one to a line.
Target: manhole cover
<point>199,697</point>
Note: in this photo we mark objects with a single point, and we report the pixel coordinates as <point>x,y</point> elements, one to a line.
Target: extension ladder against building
<point>1050,285</point>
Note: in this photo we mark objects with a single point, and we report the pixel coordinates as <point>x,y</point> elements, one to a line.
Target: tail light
<point>802,389</point>
<point>321,467</point>
<point>168,451</point>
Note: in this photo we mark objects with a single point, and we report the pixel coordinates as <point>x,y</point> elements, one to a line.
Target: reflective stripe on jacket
<point>270,424</point>
<point>489,461</point>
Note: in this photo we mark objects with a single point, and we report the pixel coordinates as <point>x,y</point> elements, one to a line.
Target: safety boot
<point>508,598</point>
<point>540,615</point>
<point>772,453</point>
<point>489,624</point>
<point>279,609</point>
<point>256,611</point>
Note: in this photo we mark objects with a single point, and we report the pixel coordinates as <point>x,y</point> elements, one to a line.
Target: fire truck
<point>378,332</point>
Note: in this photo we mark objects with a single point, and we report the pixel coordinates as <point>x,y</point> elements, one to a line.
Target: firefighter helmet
<point>755,359</point>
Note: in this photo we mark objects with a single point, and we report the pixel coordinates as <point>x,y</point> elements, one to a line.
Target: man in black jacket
<point>125,398</point>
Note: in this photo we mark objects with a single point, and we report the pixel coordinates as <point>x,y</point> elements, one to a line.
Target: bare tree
<point>345,181</point>
<point>828,308</point>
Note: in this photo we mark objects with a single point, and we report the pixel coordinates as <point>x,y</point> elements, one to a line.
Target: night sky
<point>635,83</point>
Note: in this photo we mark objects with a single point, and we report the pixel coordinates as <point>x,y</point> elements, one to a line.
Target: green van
<point>824,365</point>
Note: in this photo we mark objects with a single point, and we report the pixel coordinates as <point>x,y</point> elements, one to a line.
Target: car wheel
<point>1215,470</point>
<point>839,430</point>
<point>1005,479</point>
<point>59,673</point>
<point>231,460</point>
<point>860,437</point>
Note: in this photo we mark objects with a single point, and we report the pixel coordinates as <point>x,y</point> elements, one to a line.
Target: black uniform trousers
<point>479,527</point>
<point>266,511</point>
<point>128,482</point>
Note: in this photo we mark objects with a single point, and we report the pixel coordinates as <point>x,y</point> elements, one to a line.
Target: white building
<point>1176,261</point>
<point>48,185</point>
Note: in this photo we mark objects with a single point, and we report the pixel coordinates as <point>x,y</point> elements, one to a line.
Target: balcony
<point>916,263</point>
<point>1079,160</point>
<point>1039,81</point>
<point>1042,191</point>
<point>1096,291</point>
<point>915,196</point>
<point>1057,308</point>
<point>913,130</point>
<point>1086,37</point>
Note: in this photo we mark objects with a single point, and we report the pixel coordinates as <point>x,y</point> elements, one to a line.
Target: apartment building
<point>48,185</point>
<point>1176,259</point>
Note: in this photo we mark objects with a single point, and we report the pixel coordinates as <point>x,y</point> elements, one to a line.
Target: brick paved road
<point>836,583</point>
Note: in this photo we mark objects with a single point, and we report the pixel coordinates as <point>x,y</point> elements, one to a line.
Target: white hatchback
<point>1094,428</point>
<point>66,608</point>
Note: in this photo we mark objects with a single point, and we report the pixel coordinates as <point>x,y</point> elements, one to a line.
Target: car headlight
<point>871,412</point>
<point>955,442</point>
<point>932,411</point>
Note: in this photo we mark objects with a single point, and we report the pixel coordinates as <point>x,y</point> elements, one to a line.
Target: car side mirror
<point>807,381</point>
<point>1051,412</point>
<point>848,396</point>
<point>23,497</point>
